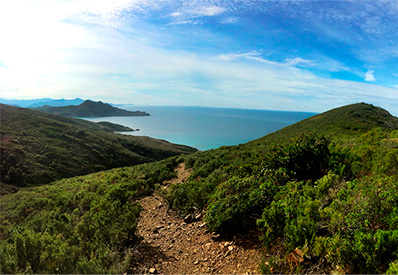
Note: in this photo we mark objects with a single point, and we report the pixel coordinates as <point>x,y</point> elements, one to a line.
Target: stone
<point>152,270</point>
<point>190,218</point>
<point>215,236</point>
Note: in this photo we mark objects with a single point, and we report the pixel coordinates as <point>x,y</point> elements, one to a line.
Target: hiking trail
<point>168,245</point>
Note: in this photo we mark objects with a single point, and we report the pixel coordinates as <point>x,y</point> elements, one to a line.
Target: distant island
<point>90,108</point>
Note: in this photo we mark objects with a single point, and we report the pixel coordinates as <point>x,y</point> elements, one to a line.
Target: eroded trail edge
<point>171,246</point>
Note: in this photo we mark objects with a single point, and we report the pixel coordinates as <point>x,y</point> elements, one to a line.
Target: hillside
<point>38,148</point>
<point>90,109</point>
<point>316,202</point>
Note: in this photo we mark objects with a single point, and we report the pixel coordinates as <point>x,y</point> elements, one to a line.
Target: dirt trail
<point>171,246</point>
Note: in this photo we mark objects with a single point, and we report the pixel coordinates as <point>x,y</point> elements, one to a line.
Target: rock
<point>230,248</point>
<point>198,216</point>
<point>215,236</point>
<point>190,218</point>
<point>196,262</point>
<point>152,270</point>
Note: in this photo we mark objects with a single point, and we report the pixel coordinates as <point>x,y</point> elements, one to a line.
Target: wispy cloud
<point>208,11</point>
<point>98,48</point>
<point>297,61</point>
<point>192,13</point>
<point>229,20</point>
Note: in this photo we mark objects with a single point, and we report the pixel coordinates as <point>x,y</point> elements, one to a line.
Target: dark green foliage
<point>78,225</point>
<point>38,148</point>
<point>237,203</point>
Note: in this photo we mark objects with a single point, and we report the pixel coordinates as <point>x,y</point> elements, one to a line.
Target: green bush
<point>237,203</point>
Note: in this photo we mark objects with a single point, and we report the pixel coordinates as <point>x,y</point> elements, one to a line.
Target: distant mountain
<point>57,102</point>
<point>90,109</point>
<point>24,102</point>
<point>37,148</point>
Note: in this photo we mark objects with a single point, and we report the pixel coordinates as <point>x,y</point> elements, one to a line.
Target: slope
<point>321,205</point>
<point>90,109</point>
<point>38,148</point>
<point>315,188</point>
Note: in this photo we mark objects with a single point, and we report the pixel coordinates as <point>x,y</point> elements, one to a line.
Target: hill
<point>318,202</point>
<point>113,127</point>
<point>90,109</point>
<point>37,148</point>
<point>57,102</point>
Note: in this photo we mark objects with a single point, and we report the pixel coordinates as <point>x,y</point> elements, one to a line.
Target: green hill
<point>38,148</point>
<point>90,109</point>
<point>320,195</point>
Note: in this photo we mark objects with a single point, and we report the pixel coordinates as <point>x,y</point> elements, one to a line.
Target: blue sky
<point>278,55</point>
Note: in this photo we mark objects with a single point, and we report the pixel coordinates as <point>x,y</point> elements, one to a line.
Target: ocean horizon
<point>205,128</point>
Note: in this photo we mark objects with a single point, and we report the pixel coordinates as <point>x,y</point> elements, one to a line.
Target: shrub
<point>237,203</point>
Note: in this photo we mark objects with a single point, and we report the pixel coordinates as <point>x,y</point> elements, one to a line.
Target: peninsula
<point>90,108</point>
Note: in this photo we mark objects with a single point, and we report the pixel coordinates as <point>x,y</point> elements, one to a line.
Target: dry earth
<point>168,245</point>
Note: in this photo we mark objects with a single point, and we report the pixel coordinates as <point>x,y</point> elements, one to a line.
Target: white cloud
<point>43,54</point>
<point>297,61</point>
<point>369,76</point>
<point>208,11</point>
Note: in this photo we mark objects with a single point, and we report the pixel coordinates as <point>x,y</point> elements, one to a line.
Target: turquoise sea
<point>206,128</point>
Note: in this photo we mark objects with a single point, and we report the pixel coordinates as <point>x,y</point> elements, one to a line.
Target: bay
<point>205,128</point>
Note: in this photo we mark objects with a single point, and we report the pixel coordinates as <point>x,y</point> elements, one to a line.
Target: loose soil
<point>168,245</point>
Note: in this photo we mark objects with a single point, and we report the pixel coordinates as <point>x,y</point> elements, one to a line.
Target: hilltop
<point>37,148</point>
<point>315,197</point>
<point>90,109</point>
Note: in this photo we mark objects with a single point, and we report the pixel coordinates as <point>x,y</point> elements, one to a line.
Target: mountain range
<point>34,103</point>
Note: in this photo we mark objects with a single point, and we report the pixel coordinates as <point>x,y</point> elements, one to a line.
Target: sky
<point>275,55</point>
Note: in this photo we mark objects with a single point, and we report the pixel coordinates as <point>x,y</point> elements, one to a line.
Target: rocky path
<point>170,246</point>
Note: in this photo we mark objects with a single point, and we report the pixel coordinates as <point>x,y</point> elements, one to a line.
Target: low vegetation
<point>326,197</point>
<point>323,201</point>
<point>38,148</point>
<point>77,225</point>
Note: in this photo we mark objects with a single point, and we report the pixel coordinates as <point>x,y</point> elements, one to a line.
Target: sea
<point>203,127</point>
